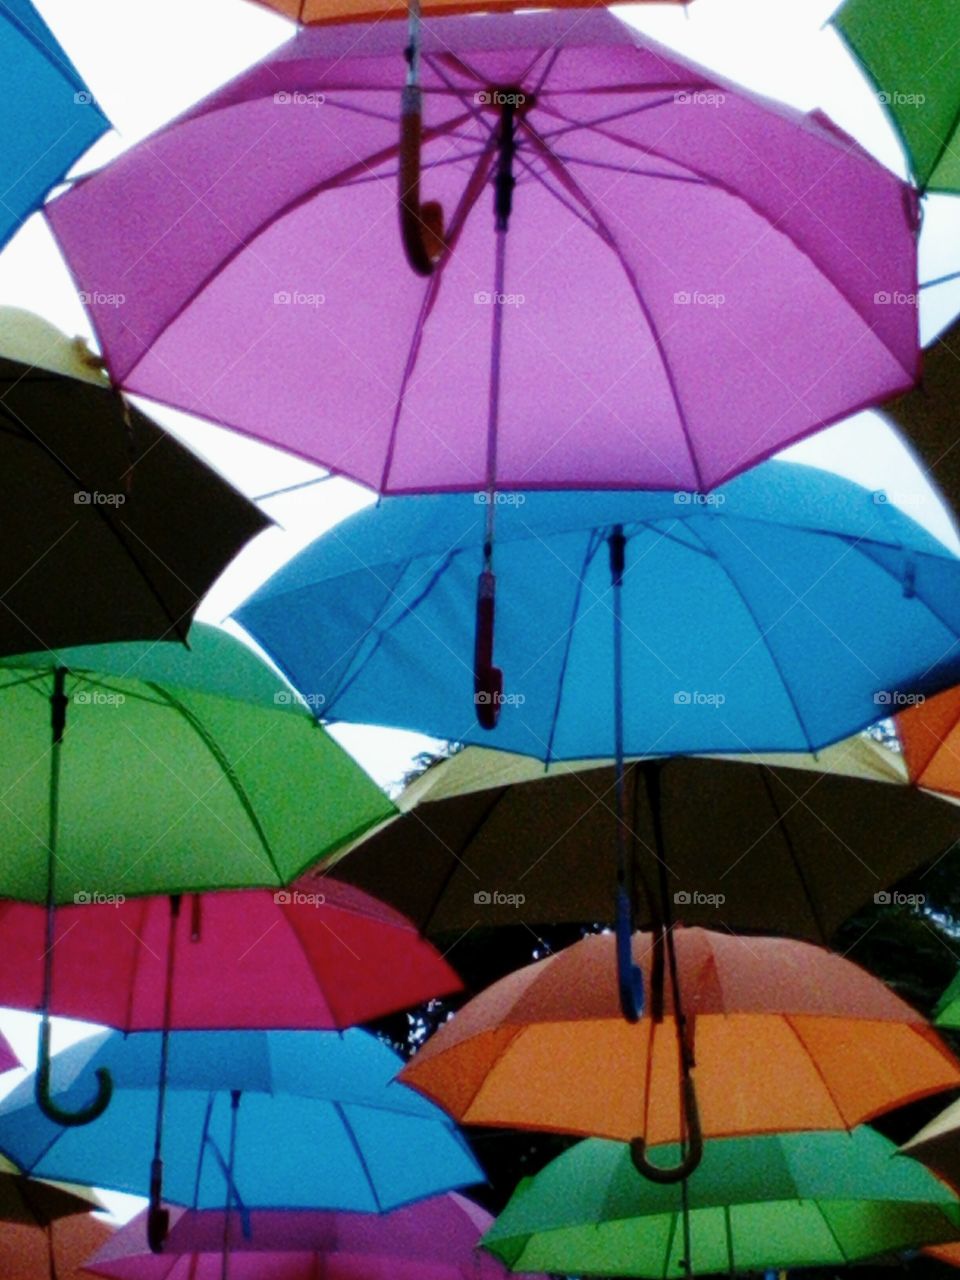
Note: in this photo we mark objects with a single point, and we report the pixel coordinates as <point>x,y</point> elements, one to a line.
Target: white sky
<point>145,63</point>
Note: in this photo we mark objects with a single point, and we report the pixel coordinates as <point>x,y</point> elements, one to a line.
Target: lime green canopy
<point>180,769</point>
<point>910,50</point>
<point>947,1012</point>
<point>785,1200</point>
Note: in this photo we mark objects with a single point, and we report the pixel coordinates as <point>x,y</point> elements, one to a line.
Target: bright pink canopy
<point>435,1239</point>
<point>694,277</point>
<point>320,955</point>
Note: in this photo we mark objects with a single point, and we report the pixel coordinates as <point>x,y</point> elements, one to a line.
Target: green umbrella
<point>910,51</point>
<point>947,1012</point>
<point>782,1200</point>
<point>153,768</point>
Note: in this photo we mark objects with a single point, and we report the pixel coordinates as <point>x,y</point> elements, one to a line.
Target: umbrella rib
<point>458,859</point>
<point>102,512</point>
<point>762,636</point>
<point>468,199</point>
<point>291,207</point>
<point>198,727</point>
<point>608,238</point>
<point>717,185</point>
<point>593,546</point>
<point>826,1222</point>
<point>354,1142</point>
<point>781,823</point>
<point>788,1020</point>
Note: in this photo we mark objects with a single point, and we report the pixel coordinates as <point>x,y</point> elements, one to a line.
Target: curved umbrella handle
<point>158,1218</point>
<point>421,225</point>
<point>487,679</point>
<point>629,975</point>
<point>690,1162</point>
<point>56,1113</point>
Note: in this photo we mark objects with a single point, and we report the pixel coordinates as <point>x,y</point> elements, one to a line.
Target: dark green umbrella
<point>141,768</point>
<point>910,52</point>
<point>783,1200</point>
<point>113,530</point>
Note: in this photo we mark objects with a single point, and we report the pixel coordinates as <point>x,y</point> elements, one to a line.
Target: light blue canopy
<point>782,613</point>
<point>48,117</point>
<point>320,1122</point>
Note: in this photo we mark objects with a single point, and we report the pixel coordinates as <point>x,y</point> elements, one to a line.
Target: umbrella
<point>168,771</point>
<point>257,1119</point>
<point>947,1012</point>
<point>30,1203</point>
<point>325,11</point>
<point>909,53</point>
<point>785,614</point>
<point>299,958</point>
<point>8,1059</point>
<point>927,415</point>
<point>785,1036</point>
<point>49,117</point>
<point>938,1144</point>
<point>435,1238</point>
<point>58,1253</point>
<point>784,1200</point>
<point>581,357</point>
<point>797,843</point>
<point>114,529</point>
<point>929,732</point>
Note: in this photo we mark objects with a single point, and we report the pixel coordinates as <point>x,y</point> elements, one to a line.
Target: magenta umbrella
<point>435,1239</point>
<point>654,279</point>
<point>8,1059</point>
<point>321,956</point>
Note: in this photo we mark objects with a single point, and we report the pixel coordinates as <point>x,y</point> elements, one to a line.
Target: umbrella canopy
<point>784,614</point>
<point>28,1202</point>
<point>910,53</point>
<point>581,358</point>
<point>114,529</point>
<point>929,732</point>
<point>8,1059</point>
<point>947,1012</point>
<point>435,1238</point>
<point>938,1144</point>
<point>48,117</point>
<point>312,956</point>
<point>181,770</point>
<point>786,1036</point>
<point>784,1200</point>
<point>796,844</point>
<point>927,415</point>
<point>57,1253</point>
<point>324,11</point>
<point>289,1119</point>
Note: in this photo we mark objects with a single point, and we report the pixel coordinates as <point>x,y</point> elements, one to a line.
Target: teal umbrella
<point>783,1200</point>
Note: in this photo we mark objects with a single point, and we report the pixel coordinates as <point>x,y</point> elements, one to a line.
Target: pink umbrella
<point>695,277</point>
<point>435,1239</point>
<point>322,956</point>
<point>8,1059</point>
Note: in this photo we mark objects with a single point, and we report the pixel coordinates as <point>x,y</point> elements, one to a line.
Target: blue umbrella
<point>265,1120</point>
<point>781,613</point>
<point>48,117</point>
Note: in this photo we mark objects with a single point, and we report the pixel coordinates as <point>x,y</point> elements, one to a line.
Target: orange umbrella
<point>784,1036</point>
<point>54,1253</point>
<point>930,735</point>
